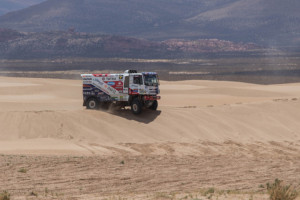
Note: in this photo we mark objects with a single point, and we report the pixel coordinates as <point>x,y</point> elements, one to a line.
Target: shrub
<point>209,191</point>
<point>279,191</point>
<point>32,193</point>
<point>22,170</point>
<point>4,196</point>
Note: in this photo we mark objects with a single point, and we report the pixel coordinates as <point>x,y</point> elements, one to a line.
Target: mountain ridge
<point>266,22</point>
<point>13,5</point>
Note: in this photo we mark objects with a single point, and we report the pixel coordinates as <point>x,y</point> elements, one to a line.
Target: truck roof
<point>149,73</point>
<point>112,75</point>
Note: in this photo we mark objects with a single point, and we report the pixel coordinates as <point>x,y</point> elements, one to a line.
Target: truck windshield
<point>151,80</point>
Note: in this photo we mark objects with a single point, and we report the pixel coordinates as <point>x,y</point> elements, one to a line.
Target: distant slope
<point>265,20</point>
<point>7,35</point>
<point>12,5</point>
<point>132,17</point>
<point>268,22</point>
<point>16,45</point>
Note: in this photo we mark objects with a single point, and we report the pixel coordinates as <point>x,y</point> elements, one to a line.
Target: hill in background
<point>268,22</point>
<point>56,44</point>
<point>13,5</point>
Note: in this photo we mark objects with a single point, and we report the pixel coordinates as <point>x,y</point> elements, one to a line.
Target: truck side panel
<point>104,88</point>
<point>90,90</point>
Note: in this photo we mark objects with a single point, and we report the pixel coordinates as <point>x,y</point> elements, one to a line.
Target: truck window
<point>126,82</point>
<point>138,80</point>
<point>151,80</point>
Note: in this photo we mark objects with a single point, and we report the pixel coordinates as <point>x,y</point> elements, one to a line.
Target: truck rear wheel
<point>136,106</point>
<point>92,103</point>
<point>154,105</point>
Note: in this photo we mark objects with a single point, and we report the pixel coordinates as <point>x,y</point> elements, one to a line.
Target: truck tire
<point>154,105</point>
<point>92,103</point>
<point>136,106</point>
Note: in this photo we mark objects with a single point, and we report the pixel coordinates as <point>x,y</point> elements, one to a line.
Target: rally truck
<point>138,90</point>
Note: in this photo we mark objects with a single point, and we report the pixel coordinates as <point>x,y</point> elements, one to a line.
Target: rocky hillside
<point>7,35</point>
<point>267,22</point>
<point>15,45</point>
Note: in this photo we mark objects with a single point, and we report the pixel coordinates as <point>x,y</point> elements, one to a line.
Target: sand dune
<point>45,116</point>
<point>206,134</point>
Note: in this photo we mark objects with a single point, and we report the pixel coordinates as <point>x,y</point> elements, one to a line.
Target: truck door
<point>135,83</point>
<point>126,84</point>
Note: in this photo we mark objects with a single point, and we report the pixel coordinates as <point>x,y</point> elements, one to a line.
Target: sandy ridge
<point>46,115</point>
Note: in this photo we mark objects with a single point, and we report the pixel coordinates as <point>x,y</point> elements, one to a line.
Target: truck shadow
<point>145,117</point>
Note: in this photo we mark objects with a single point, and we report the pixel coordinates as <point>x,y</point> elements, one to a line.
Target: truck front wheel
<point>136,106</point>
<point>154,105</point>
<point>92,103</point>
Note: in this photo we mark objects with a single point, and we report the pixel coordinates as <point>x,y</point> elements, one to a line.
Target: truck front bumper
<point>151,98</point>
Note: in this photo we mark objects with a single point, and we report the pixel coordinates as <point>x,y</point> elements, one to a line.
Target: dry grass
<point>4,195</point>
<point>279,191</point>
<point>22,170</point>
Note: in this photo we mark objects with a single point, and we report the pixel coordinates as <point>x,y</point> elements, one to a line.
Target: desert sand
<point>226,135</point>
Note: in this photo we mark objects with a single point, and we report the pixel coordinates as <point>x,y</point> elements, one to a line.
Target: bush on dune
<point>279,191</point>
<point>4,195</point>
